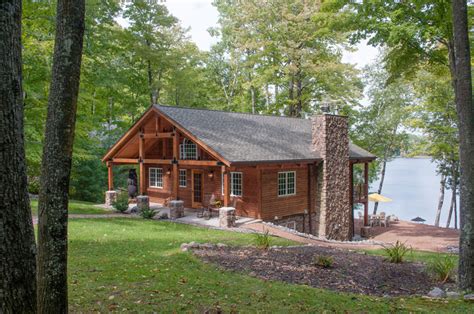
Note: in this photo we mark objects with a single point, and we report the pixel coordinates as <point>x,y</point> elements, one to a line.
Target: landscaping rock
<point>143,201</point>
<point>221,245</point>
<point>469,297</point>
<point>453,295</point>
<point>184,247</point>
<point>436,293</point>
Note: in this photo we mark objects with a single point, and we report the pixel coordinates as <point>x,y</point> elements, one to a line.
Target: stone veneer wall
<point>301,222</point>
<point>333,217</point>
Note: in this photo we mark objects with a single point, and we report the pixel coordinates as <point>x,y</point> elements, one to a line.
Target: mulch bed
<point>351,271</point>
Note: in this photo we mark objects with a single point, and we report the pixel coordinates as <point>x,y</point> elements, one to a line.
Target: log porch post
<point>226,185</point>
<point>366,194</point>
<point>110,175</point>
<point>175,179</point>
<point>141,157</point>
<point>351,193</point>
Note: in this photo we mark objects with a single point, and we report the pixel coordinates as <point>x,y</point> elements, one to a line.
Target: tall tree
<point>379,125</point>
<point>465,109</point>
<point>57,155</point>
<point>17,242</point>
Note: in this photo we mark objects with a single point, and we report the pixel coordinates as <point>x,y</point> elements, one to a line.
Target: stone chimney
<point>333,216</point>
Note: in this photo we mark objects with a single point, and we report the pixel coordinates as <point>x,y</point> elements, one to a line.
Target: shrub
<point>323,261</point>
<point>148,213</point>
<point>121,203</point>
<point>442,267</point>
<point>396,252</point>
<point>262,241</point>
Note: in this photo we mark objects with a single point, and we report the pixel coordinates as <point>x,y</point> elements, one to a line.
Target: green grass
<point>415,256</point>
<point>118,264</point>
<point>75,207</point>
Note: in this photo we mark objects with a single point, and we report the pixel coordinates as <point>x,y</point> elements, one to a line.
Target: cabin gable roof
<point>238,138</point>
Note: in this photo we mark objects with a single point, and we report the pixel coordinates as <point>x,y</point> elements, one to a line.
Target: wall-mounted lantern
<point>210,174</point>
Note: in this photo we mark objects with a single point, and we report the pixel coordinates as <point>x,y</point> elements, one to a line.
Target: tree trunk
<point>291,96</point>
<point>379,191</point>
<point>465,111</point>
<point>17,245</point>
<point>451,207</point>
<point>254,101</point>
<point>57,155</point>
<point>441,199</point>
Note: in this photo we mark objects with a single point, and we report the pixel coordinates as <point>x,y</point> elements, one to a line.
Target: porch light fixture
<point>276,218</point>
<point>168,171</point>
<point>210,174</point>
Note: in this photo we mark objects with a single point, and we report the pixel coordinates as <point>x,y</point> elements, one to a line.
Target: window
<point>156,177</point>
<point>182,178</point>
<point>236,183</point>
<point>286,183</point>
<point>188,150</point>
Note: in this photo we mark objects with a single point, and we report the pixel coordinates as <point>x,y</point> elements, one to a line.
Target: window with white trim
<point>236,183</point>
<point>188,150</point>
<point>155,177</point>
<point>182,178</point>
<point>286,183</point>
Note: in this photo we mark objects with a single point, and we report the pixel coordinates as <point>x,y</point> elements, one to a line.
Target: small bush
<point>442,268</point>
<point>396,252</point>
<point>323,261</point>
<point>121,203</point>
<point>148,213</point>
<point>262,241</point>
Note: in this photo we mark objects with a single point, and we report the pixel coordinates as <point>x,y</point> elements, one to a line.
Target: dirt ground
<point>351,271</point>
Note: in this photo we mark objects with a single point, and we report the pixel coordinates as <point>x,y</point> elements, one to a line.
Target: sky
<point>200,15</point>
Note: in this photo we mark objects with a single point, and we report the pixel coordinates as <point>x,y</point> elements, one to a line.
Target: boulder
<point>469,297</point>
<point>436,293</point>
<point>453,295</point>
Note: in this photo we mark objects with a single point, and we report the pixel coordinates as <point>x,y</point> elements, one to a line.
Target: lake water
<point>413,185</point>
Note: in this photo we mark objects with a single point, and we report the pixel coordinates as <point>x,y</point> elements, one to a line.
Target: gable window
<point>286,183</point>
<point>155,177</point>
<point>236,183</point>
<point>182,178</point>
<point>188,150</point>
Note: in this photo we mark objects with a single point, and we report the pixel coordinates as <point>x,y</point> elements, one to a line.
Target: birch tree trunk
<point>17,242</point>
<point>57,155</point>
<point>441,199</point>
<point>465,111</point>
<point>379,191</point>
<point>451,207</point>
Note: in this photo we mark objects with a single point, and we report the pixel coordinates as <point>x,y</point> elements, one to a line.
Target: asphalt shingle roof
<point>242,137</point>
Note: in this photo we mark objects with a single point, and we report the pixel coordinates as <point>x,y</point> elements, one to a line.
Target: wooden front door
<point>197,187</point>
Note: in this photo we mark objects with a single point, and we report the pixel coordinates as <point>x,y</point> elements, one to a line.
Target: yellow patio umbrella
<point>375,197</point>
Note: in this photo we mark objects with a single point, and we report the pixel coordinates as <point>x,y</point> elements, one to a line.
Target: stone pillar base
<point>227,217</point>
<point>143,201</point>
<point>110,197</point>
<point>365,232</point>
<point>176,209</point>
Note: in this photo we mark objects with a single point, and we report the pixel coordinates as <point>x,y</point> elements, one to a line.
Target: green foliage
<point>121,203</point>
<point>396,252</point>
<point>324,261</point>
<point>262,240</point>
<point>442,267</point>
<point>148,212</point>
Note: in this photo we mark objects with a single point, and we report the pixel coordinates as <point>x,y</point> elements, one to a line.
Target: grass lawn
<point>415,256</point>
<point>133,264</point>
<point>75,207</point>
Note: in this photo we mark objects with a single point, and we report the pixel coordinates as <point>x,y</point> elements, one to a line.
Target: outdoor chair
<point>385,222</point>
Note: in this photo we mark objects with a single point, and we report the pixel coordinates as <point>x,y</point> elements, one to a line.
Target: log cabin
<point>289,171</point>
